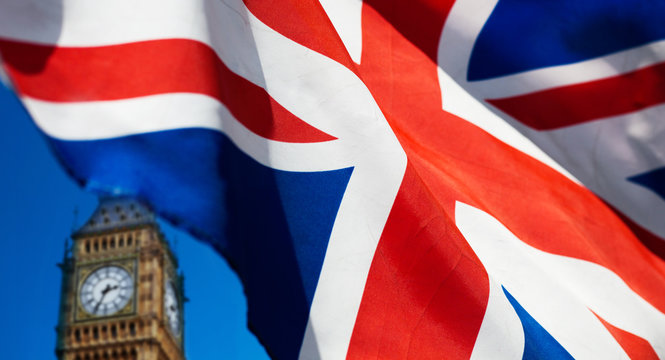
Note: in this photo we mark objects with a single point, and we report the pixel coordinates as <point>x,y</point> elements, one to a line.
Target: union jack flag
<point>390,179</point>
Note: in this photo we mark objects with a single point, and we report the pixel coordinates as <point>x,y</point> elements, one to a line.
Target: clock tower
<point>122,297</point>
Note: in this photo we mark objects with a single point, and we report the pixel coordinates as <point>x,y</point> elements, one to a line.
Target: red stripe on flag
<point>305,22</point>
<point>576,104</point>
<point>456,161</point>
<point>419,22</point>
<point>426,292</point>
<point>74,74</point>
<point>635,347</point>
<point>653,242</point>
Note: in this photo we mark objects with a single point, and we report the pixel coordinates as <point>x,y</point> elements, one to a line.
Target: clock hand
<point>99,303</point>
<point>109,288</point>
<point>104,292</point>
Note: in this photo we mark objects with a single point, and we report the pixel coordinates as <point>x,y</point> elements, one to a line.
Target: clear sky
<point>37,212</point>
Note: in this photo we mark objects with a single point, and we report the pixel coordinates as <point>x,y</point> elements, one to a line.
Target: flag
<point>389,179</point>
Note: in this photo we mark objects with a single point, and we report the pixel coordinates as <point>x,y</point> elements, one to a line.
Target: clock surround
<point>85,271</point>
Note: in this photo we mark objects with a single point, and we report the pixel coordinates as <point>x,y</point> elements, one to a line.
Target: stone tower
<point>122,297</point>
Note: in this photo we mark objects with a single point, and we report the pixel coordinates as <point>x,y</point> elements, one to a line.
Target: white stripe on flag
<point>346,17</point>
<point>458,101</point>
<point>464,24</point>
<point>606,152</point>
<point>500,336</point>
<point>558,290</point>
<point>97,120</point>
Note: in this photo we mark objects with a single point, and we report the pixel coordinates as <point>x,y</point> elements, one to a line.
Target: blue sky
<point>37,212</point>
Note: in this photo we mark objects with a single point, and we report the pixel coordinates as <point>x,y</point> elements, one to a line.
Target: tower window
<point>112,242</point>
<point>104,244</point>
<point>114,332</point>
<point>77,335</point>
<point>96,246</point>
<point>87,246</point>
<point>129,240</point>
<point>121,241</point>
<point>132,329</point>
<point>95,333</point>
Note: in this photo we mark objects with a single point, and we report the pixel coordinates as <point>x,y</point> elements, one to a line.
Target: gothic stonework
<point>122,297</point>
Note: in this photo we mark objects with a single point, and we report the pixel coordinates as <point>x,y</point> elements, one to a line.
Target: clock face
<point>106,290</point>
<point>171,308</point>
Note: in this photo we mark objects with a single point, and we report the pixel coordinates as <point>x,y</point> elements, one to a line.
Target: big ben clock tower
<point>122,297</point>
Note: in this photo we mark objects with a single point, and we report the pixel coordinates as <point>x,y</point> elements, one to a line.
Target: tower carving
<point>122,296</point>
